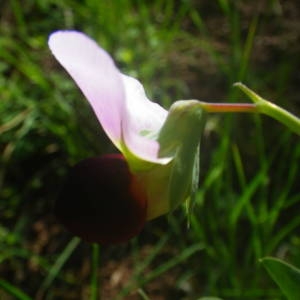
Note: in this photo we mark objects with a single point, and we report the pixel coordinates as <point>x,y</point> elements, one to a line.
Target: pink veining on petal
<point>96,75</point>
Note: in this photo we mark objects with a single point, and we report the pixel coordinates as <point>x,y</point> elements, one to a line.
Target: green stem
<point>266,107</point>
<point>94,279</point>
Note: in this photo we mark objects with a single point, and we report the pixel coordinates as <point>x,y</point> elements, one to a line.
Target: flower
<point>108,199</point>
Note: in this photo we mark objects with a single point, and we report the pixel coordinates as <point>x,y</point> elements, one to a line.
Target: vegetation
<point>248,203</point>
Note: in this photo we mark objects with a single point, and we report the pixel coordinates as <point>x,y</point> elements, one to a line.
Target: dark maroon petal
<point>100,201</point>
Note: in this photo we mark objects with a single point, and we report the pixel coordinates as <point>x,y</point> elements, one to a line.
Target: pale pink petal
<point>143,123</point>
<point>128,117</point>
<point>96,75</point>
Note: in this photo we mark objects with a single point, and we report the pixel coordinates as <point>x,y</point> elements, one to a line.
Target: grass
<point>248,201</point>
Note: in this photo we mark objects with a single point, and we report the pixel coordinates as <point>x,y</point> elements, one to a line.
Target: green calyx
<point>167,185</point>
<point>180,138</point>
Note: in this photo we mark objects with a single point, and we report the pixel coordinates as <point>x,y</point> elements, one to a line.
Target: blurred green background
<point>248,203</point>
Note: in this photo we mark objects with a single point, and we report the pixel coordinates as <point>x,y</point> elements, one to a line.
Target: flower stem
<point>228,107</point>
<point>260,105</point>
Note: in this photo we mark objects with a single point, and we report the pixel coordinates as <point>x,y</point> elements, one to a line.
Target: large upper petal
<point>96,75</point>
<point>128,117</point>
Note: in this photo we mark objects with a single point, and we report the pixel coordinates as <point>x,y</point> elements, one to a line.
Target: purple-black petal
<point>101,201</point>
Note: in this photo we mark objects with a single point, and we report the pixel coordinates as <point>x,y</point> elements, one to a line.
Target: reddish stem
<point>229,107</point>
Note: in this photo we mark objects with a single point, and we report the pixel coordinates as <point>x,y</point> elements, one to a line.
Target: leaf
<point>285,275</point>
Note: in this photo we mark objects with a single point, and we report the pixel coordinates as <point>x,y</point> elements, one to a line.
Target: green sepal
<point>195,184</point>
<point>180,138</point>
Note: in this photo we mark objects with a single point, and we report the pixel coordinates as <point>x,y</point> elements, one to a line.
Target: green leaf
<point>285,275</point>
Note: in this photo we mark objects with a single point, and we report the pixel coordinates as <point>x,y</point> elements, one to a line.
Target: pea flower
<point>108,199</point>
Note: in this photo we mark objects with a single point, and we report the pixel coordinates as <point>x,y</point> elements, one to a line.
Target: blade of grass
<point>206,42</point>
<point>142,293</point>
<point>15,121</point>
<point>164,267</point>
<point>293,225</point>
<point>245,198</point>
<point>59,263</point>
<point>140,266</point>
<point>247,48</point>
<point>20,20</point>
<point>13,290</point>
<point>94,277</point>
<point>239,166</point>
